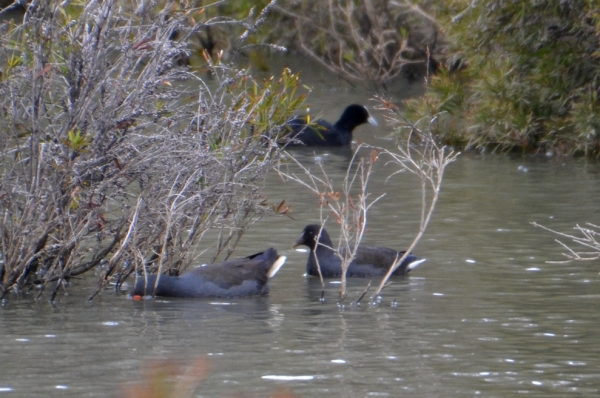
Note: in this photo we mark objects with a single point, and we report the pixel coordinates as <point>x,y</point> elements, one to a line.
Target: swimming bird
<point>323,133</point>
<point>369,260</point>
<point>248,276</point>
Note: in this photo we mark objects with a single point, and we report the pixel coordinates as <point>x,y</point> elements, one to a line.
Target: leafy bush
<point>531,80</point>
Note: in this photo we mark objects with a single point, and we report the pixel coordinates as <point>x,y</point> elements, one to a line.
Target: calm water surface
<point>486,314</point>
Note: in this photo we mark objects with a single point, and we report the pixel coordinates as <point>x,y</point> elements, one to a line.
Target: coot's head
<point>354,115</point>
<point>309,236</point>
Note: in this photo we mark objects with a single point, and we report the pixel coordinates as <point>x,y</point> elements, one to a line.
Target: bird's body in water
<point>248,276</point>
<point>323,133</point>
<point>369,260</point>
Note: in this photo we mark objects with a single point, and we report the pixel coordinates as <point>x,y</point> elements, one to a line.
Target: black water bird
<point>323,133</point>
<point>369,260</point>
<point>248,276</point>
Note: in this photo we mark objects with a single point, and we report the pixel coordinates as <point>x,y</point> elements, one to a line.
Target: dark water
<point>485,315</point>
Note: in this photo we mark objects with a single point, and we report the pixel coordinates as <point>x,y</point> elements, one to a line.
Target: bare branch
<point>115,154</point>
<point>588,240</point>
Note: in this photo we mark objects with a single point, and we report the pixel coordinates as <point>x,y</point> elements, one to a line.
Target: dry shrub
<point>114,155</point>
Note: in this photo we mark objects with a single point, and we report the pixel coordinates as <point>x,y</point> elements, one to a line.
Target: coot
<point>369,260</point>
<point>323,133</point>
<point>248,276</point>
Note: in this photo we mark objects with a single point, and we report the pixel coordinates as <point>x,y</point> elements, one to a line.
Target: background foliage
<point>529,78</point>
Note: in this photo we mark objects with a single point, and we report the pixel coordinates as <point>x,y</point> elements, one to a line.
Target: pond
<point>485,315</point>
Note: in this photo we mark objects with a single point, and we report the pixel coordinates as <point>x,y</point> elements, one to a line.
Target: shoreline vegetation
<point>111,161</point>
<point>502,76</point>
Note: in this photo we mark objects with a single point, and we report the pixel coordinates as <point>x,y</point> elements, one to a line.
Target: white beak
<point>415,264</point>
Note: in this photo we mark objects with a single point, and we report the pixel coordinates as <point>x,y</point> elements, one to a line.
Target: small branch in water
<point>588,240</point>
<point>364,293</point>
